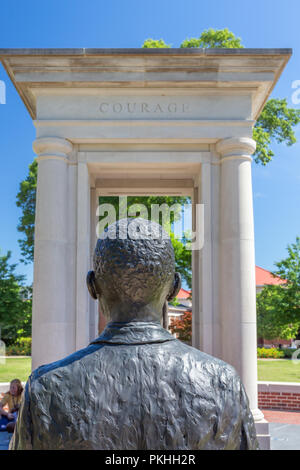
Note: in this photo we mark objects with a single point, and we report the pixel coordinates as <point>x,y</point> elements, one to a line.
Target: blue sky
<point>127,23</point>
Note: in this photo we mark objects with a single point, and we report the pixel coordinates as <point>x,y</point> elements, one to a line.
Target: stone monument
<point>113,122</point>
<point>135,387</point>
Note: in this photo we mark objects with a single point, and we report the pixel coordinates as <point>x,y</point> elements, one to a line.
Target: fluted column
<point>237,263</point>
<point>52,322</point>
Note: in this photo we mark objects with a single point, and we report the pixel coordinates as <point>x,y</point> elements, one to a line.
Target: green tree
<point>183,259</point>
<point>220,38</point>
<point>155,44</point>
<point>26,201</point>
<point>275,123</point>
<point>15,304</point>
<point>278,306</point>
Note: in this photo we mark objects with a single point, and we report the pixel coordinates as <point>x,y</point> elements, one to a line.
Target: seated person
<point>11,400</point>
<point>135,387</point>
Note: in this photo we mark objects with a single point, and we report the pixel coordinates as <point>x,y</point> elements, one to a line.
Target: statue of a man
<point>135,386</point>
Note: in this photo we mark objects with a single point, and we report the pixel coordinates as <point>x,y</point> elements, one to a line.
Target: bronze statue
<point>135,386</point>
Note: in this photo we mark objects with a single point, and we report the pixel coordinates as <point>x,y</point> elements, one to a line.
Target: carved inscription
<point>144,108</point>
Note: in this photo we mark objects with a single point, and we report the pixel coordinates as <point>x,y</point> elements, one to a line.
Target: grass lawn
<point>283,370</point>
<point>15,368</point>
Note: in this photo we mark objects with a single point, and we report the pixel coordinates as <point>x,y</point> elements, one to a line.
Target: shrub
<point>22,347</point>
<point>270,353</point>
<point>182,326</point>
<point>288,352</point>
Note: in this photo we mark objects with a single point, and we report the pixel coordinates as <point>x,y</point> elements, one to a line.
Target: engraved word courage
<point>143,108</point>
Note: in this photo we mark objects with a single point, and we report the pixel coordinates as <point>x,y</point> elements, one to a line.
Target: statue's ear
<point>91,284</point>
<point>176,287</point>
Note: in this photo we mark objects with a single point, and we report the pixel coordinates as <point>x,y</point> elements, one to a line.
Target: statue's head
<point>134,271</point>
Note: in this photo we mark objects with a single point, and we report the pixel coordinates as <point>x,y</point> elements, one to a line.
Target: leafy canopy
<point>26,201</point>
<point>15,303</point>
<point>220,38</point>
<point>278,307</point>
<point>155,44</point>
<point>276,122</point>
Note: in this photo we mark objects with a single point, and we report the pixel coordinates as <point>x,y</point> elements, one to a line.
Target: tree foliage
<point>275,123</point>
<point>218,39</point>
<point>15,306</point>
<point>183,259</point>
<point>182,327</point>
<point>278,306</point>
<point>26,201</point>
<point>155,44</point>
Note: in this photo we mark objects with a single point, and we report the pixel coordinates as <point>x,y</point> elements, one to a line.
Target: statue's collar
<point>134,333</point>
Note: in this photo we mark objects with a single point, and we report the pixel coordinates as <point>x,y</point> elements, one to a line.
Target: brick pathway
<point>286,417</point>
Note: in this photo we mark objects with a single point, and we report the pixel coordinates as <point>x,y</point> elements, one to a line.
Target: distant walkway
<point>284,429</point>
<point>284,417</point>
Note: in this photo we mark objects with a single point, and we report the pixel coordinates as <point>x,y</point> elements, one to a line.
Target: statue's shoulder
<point>48,372</point>
<point>209,365</point>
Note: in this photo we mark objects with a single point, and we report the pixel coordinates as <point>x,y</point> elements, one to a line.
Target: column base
<point>262,430</point>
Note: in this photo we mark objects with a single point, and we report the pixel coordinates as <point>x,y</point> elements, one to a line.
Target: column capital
<point>52,147</point>
<point>236,148</point>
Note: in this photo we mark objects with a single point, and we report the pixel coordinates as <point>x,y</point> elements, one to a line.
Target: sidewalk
<point>284,429</point>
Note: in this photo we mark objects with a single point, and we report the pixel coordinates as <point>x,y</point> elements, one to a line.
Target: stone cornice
<point>83,51</point>
<point>212,69</point>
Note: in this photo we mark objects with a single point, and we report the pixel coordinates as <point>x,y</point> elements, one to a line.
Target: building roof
<point>264,277</point>
<point>184,294</point>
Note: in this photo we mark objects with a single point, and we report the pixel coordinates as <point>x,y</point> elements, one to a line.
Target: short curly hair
<point>134,260</point>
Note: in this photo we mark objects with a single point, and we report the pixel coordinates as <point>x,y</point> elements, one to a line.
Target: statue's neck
<point>134,313</point>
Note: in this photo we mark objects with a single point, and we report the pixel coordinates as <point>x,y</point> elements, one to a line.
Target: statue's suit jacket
<point>135,387</point>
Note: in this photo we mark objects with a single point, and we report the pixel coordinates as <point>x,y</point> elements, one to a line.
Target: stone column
<point>237,263</point>
<point>93,304</point>
<point>83,253</point>
<point>202,319</point>
<point>52,322</point>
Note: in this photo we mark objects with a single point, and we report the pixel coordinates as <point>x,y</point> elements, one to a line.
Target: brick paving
<point>284,417</point>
